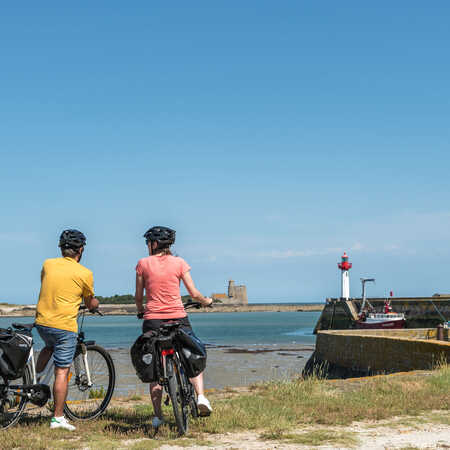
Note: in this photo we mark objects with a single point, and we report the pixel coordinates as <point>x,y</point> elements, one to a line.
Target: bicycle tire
<point>193,403</point>
<point>176,396</point>
<point>191,395</point>
<point>8,421</point>
<point>88,402</point>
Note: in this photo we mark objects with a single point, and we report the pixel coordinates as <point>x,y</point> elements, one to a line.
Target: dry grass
<point>274,411</point>
<point>314,438</point>
<point>288,404</point>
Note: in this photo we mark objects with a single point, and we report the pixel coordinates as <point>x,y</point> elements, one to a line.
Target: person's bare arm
<point>193,291</point>
<point>91,303</point>
<point>139,294</point>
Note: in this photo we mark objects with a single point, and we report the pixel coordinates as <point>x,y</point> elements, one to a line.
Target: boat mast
<point>364,281</point>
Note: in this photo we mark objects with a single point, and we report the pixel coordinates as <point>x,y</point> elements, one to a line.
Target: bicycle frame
<point>35,386</point>
<point>48,371</point>
<point>170,351</point>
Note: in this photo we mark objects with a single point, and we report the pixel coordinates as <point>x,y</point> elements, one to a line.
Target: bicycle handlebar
<point>188,305</point>
<point>196,305</point>
<point>92,311</point>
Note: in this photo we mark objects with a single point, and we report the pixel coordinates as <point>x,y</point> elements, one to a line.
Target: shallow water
<point>247,328</point>
<point>231,338</point>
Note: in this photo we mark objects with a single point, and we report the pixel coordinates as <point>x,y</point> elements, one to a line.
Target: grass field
<point>303,412</point>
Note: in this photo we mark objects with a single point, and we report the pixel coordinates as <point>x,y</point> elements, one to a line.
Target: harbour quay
<point>420,312</point>
<point>353,353</point>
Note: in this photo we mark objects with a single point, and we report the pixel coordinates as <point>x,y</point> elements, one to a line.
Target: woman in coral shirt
<point>160,275</point>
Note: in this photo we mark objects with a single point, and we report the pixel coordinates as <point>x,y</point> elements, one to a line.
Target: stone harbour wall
<point>347,353</point>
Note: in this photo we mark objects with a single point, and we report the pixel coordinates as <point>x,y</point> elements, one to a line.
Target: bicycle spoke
<point>11,405</point>
<point>86,401</point>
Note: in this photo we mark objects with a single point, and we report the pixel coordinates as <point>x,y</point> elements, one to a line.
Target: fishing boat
<point>369,319</point>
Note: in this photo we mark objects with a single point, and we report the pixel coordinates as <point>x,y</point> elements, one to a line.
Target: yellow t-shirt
<point>64,283</point>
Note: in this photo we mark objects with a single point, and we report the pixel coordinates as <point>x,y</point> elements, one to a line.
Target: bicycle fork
<point>86,366</point>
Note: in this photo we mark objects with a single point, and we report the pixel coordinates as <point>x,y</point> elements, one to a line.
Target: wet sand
<point>226,367</point>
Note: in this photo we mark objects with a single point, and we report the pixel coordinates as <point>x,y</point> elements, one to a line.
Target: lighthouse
<point>344,265</point>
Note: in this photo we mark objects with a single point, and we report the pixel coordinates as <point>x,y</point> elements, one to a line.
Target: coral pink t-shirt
<point>162,275</point>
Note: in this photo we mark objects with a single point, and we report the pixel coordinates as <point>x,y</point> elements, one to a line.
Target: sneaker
<point>61,422</point>
<point>204,407</point>
<point>157,422</point>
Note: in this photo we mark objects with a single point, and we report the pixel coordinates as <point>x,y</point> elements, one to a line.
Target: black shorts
<point>155,324</point>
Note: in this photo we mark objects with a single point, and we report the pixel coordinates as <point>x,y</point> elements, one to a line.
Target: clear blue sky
<point>271,135</point>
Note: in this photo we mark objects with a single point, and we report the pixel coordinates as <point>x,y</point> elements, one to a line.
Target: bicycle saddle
<point>169,326</point>
<point>23,326</point>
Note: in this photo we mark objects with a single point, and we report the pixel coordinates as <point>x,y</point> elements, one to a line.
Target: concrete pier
<point>420,312</point>
<point>347,353</point>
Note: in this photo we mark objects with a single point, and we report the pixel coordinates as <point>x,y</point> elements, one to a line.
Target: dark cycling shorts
<point>155,324</point>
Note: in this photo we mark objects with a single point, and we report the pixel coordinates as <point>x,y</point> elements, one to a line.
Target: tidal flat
<point>227,366</point>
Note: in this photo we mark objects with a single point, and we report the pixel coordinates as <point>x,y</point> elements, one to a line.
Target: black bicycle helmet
<point>72,239</point>
<point>163,235</point>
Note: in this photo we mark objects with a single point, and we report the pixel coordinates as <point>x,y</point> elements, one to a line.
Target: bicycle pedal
<point>167,400</point>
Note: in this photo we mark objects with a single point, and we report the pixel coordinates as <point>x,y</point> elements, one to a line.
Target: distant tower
<point>344,265</point>
<point>231,290</point>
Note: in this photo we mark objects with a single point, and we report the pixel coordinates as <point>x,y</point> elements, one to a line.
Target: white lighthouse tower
<point>344,265</point>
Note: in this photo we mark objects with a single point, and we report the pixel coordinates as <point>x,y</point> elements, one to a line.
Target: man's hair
<point>69,252</point>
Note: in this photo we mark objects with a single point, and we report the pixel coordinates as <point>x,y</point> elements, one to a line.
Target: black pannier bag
<point>143,357</point>
<point>193,352</point>
<point>15,350</point>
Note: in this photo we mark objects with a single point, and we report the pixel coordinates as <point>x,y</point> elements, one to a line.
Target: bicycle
<point>91,381</point>
<point>172,373</point>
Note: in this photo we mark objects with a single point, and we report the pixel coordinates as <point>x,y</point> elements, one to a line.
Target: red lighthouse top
<point>344,264</point>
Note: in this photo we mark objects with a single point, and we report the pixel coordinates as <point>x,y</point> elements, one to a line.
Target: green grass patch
<point>274,411</point>
<point>97,393</point>
<point>283,405</point>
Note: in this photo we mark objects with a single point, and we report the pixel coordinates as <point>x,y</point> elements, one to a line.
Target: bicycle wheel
<point>12,406</point>
<point>176,396</point>
<point>193,402</point>
<point>86,402</point>
<point>191,395</point>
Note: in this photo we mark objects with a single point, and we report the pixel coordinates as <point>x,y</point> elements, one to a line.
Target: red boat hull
<point>388,324</point>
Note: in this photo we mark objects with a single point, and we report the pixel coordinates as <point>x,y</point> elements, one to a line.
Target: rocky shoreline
<point>30,310</point>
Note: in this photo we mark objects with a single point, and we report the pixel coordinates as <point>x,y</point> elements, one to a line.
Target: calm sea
<point>216,329</point>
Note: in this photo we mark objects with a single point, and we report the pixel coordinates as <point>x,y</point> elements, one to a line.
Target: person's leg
<point>47,334</point>
<point>43,358</point>
<point>197,382</point>
<point>203,404</point>
<point>60,389</point>
<point>156,396</point>
<point>63,353</point>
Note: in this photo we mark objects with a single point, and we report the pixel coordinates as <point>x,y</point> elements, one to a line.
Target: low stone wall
<point>345,353</point>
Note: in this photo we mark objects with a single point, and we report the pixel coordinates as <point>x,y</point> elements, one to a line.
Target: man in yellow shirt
<point>64,284</point>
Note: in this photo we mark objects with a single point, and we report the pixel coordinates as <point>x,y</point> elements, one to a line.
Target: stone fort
<point>237,295</point>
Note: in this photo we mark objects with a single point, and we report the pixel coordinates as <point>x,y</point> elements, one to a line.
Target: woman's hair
<point>165,250</point>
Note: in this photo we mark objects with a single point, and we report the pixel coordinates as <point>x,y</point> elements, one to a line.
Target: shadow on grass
<point>33,419</point>
<point>122,422</point>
